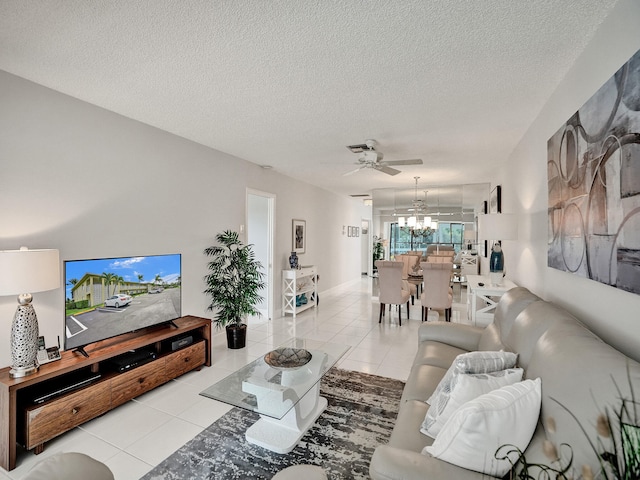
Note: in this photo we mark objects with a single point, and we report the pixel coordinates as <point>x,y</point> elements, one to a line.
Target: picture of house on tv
<point>111,296</point>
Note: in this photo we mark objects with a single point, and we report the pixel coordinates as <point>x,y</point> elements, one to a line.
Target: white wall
<point>611,313</point>
<point>92,183</point>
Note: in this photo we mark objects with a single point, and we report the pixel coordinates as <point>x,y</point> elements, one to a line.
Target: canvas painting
<point>299,236</point>
<point>594,185</point>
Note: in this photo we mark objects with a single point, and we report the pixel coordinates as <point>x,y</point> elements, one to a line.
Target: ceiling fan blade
<point>413,161</point>
<point>353,171</point>
<point>387,170</point>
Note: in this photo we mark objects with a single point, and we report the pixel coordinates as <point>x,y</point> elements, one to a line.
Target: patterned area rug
<point>360,416</point>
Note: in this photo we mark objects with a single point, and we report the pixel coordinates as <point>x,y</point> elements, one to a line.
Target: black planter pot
<point>236,335</point>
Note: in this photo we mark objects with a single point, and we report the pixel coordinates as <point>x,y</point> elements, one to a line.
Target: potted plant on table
<point>233,283</point>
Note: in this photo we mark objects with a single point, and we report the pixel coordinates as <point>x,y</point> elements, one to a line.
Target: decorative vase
<point>236,335</point>
<point>496,265</point>
<point>293,260</point>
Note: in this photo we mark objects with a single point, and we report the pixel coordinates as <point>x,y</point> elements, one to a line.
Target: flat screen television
<point>106,297</point>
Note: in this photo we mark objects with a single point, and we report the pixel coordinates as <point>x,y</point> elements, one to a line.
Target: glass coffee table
<point>284,388</point>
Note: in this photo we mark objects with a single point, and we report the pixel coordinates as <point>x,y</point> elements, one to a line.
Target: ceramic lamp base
<point>496,278</point>
<point>24,342</point>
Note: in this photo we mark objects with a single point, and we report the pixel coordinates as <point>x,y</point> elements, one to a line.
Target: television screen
<point>111,296</point>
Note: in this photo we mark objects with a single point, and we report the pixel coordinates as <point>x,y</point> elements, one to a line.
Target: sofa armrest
<point>389,463</point>
<point>458,335</point>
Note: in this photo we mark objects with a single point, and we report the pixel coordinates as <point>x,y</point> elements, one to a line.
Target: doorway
<point>260,234</point>
<point>366,249</point>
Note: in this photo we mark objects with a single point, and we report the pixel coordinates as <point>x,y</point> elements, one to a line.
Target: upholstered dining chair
<point>436,293</point>
<point>410,264</point>
<point>442,257</point>
<point>391,291</point>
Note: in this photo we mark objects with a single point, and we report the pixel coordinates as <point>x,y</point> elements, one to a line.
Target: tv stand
<point>173,324</point>
<point>82,351</point>
<point>77,388</point>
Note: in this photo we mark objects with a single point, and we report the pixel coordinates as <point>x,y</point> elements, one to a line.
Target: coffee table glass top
<point>274,383</point>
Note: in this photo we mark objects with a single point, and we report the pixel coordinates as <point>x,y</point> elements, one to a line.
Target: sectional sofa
<point>580,377</point>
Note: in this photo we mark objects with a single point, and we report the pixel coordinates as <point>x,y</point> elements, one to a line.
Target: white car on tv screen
<point>119,300</point>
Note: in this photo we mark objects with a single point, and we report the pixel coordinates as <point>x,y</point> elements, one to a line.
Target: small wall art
<point>299,236</point>
<point>495,200</point>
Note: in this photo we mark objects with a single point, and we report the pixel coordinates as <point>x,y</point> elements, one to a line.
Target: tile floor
<point>135,437</point>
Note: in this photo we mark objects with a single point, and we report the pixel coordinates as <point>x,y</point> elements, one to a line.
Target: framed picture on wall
<point>299,236</point>
<point>495,200</point>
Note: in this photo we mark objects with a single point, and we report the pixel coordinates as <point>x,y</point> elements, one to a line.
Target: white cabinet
<point>299,289</point>
<point>468,265</point>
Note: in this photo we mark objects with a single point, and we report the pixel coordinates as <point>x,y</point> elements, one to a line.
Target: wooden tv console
<point>32,424</point>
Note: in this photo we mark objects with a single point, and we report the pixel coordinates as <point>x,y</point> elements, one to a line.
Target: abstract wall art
<point>594,185</point>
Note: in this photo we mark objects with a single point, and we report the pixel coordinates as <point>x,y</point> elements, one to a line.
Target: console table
<point>486,292</point>
<point>297,282</point>
<point>30,423</point>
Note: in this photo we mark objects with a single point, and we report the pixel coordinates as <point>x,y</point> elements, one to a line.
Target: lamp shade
<point>29,271</point>
<point>497,226</point>
<point>469,235</point>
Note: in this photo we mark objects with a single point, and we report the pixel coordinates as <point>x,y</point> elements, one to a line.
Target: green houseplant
<point>233,284</point>
<point>378,251</point>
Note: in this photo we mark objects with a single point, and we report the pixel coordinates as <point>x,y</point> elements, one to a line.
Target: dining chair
<point>437,293</point>
<point>410,264</point>
<point>391,288</point>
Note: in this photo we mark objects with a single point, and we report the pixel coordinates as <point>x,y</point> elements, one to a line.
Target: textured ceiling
<point>290,83</point>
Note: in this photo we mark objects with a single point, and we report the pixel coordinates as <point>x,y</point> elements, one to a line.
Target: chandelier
<point>419,224</point>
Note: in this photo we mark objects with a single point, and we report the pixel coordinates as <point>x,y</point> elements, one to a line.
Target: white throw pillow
<point>471,362</point>
<point>467,387</point>
<point>473,434</point>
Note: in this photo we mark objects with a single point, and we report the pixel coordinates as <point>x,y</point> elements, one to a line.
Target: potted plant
<point>233,283</point>
<point>378,251</point>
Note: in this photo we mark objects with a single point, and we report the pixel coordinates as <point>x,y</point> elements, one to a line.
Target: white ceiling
<point>290,83</point>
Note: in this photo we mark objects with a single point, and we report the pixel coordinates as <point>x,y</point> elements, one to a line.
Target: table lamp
<point>23,271</point>
<point>498,227</point>
<point>469,238</point>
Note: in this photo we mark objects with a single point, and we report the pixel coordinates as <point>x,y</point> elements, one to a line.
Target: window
<point>404,239</point>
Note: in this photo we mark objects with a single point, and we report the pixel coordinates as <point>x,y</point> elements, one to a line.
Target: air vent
<point>360,195</point>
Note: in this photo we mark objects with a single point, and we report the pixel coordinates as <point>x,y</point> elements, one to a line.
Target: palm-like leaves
<point>108,278</point>
<point>234,281</point>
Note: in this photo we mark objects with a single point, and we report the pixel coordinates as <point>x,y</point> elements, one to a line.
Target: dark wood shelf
<point>33,424</point>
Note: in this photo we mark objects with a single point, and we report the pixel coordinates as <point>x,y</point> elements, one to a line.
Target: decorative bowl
<point>285,358</point>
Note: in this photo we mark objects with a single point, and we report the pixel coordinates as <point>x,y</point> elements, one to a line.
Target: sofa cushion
<point>406,434</point>
<point>594,377</point>
<point>468,387</point>
<point>508,308</point>
<point>529,326</point>
<point>437,354</point>
<point>422,382</point>
<point>480,427</point>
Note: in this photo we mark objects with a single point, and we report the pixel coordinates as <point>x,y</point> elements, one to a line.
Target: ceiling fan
<point>371,158</point>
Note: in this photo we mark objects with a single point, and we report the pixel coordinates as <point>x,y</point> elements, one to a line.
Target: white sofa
<point>576,368</point>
